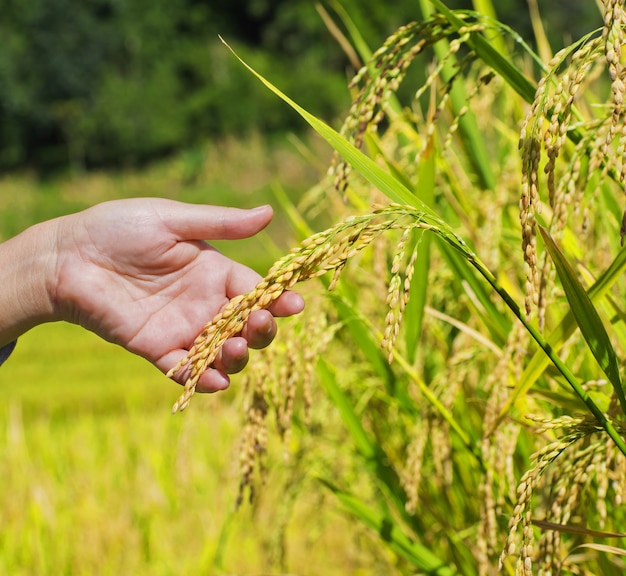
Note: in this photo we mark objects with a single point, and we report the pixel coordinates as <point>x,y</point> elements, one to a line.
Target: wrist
<point>28,264</point>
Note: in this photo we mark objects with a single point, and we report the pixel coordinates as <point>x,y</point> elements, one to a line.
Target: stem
<point>558,363</point>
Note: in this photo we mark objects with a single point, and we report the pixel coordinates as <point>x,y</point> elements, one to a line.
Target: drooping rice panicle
<point>395,299</point>
<point>381,77</point>
<point>574,429</point>
<point>323,252</point>
<point>269,389</point>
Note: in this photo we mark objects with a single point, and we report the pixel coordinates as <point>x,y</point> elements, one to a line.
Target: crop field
<point>98,476</point>
<point>451,401</point>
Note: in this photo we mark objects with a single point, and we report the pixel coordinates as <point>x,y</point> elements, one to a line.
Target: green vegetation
<point>109,83</point>
<point>454,405</point>
<point>496,436</point>
<point>99,478</point>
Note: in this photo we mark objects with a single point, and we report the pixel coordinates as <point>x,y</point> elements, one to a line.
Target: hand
<point>138,273</point>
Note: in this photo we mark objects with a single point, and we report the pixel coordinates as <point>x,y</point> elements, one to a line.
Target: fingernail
<point>223,383</point>
<point>262,208</point>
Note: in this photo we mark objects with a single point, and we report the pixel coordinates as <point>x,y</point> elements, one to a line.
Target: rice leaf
<point>487,8</point>
<point>392,534</point>
<point>587,318</point>
<point>367,167</point>
<point>472,141</point>
<point>490,56</point>
<point>580,530</point>
<point>360,332</point>
<point>497,323</point>
<point>418,291</point>
<point>603,548</point>
<point>355,34</point>
<point>368,447</point>
<point>539,362</point>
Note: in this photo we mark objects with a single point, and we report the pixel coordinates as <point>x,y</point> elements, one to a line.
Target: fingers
<point>258,333</point>
<point>212,380</point>
<point>288,304</point>
<point>260,329</point>
<point>233,356</point>
<point>203,222</point>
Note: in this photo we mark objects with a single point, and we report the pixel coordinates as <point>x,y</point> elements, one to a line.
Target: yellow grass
<point>99,478</point>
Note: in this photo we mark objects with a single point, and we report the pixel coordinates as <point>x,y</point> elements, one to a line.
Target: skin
<point>139,273</point>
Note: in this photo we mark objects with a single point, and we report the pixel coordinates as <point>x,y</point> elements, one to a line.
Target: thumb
<point>203,222</point>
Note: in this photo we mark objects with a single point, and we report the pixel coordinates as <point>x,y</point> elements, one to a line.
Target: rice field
<point>98,476</point>
<point>450,402</point>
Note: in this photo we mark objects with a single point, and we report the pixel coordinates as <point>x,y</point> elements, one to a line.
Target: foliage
<point>103,82</point>
<point>495,436</point>
<point>106,82</point>
<point>486,427</point>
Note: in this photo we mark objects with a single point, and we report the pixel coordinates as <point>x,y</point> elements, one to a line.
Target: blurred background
<point>103,99</point>
<point>109,83</point>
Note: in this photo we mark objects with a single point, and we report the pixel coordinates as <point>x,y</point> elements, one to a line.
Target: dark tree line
<point>113,82</point>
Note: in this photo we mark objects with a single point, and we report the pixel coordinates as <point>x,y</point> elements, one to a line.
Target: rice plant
<point>474,352</point>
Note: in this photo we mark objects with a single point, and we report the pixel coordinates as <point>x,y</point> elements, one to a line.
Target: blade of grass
<point>487,8</point>
<point>497,324</point>
<point>539,362</point>
<point>490,56</point>
<point>581,530</point>
<point>367,167</point>
<point>587,318</point>
<point>472,140</point>
<point>418,292</point>
<point>389,531</point>
<point>438,406</point>
<point>355,34</point>
<point>371,451</point>
<point>541,39</point>
<point>360,332</point>
<point>339,37</point>
<point>575,384</point>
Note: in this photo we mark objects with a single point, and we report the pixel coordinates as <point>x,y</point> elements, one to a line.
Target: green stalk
<point>558,363</point>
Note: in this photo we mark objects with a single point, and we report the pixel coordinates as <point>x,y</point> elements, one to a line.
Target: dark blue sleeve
<point>5,351</point>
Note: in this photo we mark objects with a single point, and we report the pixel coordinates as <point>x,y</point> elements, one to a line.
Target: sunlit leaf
<point>587,317</point>
<point>392,534</point>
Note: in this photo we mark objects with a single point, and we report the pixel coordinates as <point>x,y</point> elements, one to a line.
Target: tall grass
<point>489,424</point>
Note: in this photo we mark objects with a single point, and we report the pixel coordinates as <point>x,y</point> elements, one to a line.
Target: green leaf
<point>372,452</point>
<point>472,141</point>
<point>490,56</point>
<point>360,331</point>
<point>587,318</point>
<point>418,291</point>
<point>539,362</point>
<point>367,167</point>
<point>392,534</point>
<point>368,448</point>
<point>497,323</point>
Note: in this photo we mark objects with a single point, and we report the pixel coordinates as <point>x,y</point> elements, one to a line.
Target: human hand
<point>138,273</point>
